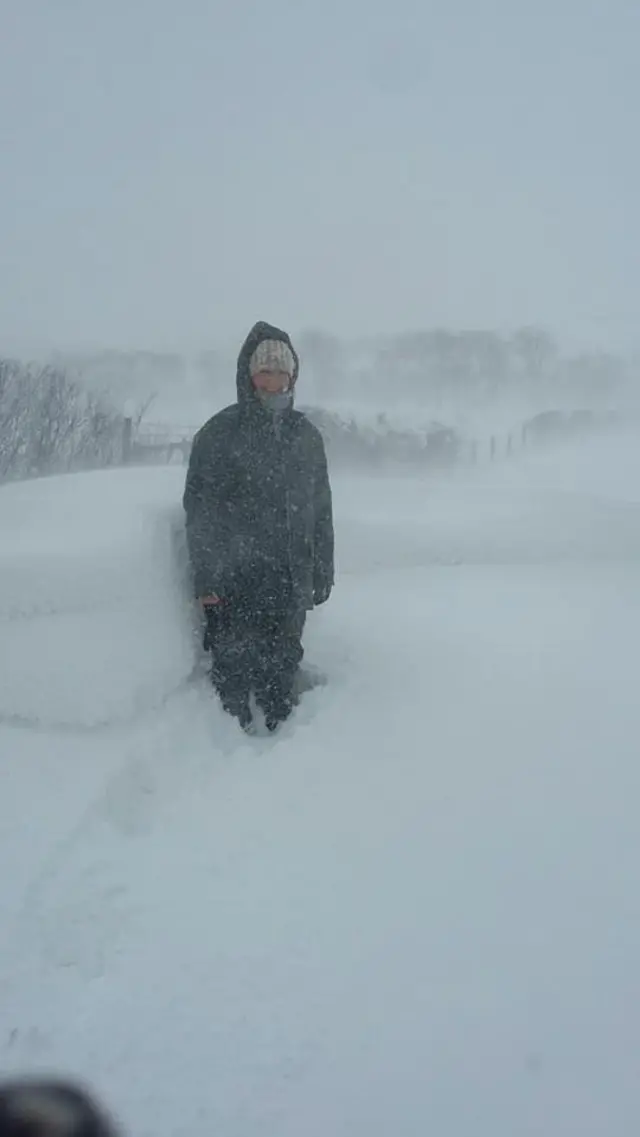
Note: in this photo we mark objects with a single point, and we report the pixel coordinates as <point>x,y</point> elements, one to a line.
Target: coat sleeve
<point>192,497</point>
<point>206,520</point>
<point>323,567</point>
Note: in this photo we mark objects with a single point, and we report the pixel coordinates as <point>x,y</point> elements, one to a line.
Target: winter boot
<point>238,707</point>
<point>245,718</point>
<point>277,711</point>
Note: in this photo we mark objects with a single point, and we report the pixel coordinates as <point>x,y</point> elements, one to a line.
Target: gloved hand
<point>321,593</point>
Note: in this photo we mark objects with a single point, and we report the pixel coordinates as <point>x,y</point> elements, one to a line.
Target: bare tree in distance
<point>49,424</point>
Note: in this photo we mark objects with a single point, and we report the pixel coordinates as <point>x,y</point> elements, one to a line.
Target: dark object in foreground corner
<point>49,1107</point>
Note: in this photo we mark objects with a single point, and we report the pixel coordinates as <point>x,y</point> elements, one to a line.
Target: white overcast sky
<point>172,170</point>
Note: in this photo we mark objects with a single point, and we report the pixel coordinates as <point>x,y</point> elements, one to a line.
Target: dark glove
<point>321,593</point>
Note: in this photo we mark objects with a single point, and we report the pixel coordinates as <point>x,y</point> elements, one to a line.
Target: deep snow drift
<point>414,910</point>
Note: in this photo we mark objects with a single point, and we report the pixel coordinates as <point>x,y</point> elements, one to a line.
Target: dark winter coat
<point>258,500</point>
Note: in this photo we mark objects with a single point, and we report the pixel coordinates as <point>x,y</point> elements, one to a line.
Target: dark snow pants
<point>255,651</point>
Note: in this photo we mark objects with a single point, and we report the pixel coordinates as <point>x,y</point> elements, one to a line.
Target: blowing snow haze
<point>389,886</point>
<point>171,173</point>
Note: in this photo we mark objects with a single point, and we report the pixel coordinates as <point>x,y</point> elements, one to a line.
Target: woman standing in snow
<point>259,530</point>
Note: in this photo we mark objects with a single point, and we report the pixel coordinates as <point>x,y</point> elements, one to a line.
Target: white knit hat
<point>272,355</point>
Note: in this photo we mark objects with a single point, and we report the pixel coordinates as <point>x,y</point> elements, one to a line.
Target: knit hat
<point>272,355</point>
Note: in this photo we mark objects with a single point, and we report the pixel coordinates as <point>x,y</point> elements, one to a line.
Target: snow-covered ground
<point>416,910</point>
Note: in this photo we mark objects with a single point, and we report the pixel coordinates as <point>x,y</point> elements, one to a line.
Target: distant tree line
<point>437,369</point>
<point>50,424</point>
<point>440,368</point>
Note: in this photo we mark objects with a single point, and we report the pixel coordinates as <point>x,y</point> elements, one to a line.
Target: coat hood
<point>259,332</point>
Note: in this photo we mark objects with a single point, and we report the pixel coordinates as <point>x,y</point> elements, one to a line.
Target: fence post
<point>127,438</point>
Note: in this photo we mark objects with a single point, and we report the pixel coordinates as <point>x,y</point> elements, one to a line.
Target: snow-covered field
<point>414,911</point>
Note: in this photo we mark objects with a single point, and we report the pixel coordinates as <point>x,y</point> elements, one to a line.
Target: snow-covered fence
<point>348,440</point>
<point>546,429</point>
<point>49,423</point>
<point>153,442</point>
<point>353,440</point>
